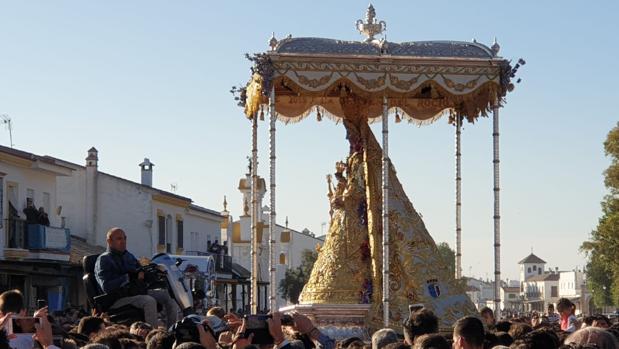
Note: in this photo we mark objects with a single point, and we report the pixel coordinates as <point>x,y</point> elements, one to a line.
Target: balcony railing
<point>22,235</point>
<point>223,263</point>
<point>533,295</point>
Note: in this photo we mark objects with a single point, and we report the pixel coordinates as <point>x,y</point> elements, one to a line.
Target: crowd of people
<point>119,276</point>
<point>221,330</point>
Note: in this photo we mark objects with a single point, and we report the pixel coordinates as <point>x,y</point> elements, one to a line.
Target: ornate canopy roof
<point>451,49</point>
<point>421,80</point>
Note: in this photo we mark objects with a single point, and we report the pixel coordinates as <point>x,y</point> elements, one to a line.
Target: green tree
<point>294,280</point>
<point>448,255</point>
<point>603,246</point>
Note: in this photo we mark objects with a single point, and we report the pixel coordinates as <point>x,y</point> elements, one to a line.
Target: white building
<point>480,292</point>
<point>154,220</point>
<point>34,257</point>
<point>541,290</point>
<point>572,285</point>
<point>539,287</point>
<point>510,299</point>
<point>289,245</point>
<point>530,266</point>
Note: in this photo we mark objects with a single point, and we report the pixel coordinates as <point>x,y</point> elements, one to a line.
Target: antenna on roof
<point>5,119</point>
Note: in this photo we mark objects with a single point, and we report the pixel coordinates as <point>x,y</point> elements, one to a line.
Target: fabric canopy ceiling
<point>420,80</point>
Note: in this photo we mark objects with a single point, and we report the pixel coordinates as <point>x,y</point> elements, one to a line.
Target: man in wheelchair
<point>118,273</point>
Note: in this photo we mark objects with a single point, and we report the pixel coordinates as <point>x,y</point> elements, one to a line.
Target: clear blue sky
<point>150,79</point>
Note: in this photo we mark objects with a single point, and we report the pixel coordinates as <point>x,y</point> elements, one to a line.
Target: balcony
<point>533,295</point>
<point>223,263</point>
<point>36,241</point>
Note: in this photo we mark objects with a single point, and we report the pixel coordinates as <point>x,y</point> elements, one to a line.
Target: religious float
<point>378,257</point>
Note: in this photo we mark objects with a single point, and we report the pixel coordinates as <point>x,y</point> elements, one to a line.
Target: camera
<point>186,330</point>
<point>24,325</point>
<point>258,326</point>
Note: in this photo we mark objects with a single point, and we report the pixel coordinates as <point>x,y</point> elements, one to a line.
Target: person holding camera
<point>12,307</point>
<point>116,271</point>
<point>274,321</point>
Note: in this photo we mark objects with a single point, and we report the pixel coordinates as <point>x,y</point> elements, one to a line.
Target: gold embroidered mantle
<point>349,266</point>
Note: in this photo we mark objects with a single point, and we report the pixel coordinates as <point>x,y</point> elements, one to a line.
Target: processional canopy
<point>371,215</point>
<point>422,80</point>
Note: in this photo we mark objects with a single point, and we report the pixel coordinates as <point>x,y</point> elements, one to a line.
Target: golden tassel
<point>397,117</point>
<point>318,115</point>
<point>261,114</point>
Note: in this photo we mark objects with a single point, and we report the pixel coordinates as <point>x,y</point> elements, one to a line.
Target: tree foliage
<point>603,246</point>
<point>448,256</point>
<point>292,284</point>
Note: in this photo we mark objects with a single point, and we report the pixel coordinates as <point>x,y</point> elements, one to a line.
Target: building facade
<point>480,292</point>
<point>154,220</point>
<point>573,286</point>
<point>540,287</point>
<point>510,299</point>
<point>289,244</point>
<point>35,253</point>
<point>43,259</point>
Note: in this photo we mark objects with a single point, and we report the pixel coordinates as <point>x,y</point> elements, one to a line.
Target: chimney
<point>93,157</point>
<point>92,161</point>
<point>147,172</point>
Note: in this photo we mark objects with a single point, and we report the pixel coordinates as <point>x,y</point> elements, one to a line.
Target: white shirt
<point>22,341</point>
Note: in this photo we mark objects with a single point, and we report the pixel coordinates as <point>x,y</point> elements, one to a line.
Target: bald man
<point>114,270</point>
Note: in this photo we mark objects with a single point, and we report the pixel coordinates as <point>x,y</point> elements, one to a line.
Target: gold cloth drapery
<point>421,89</point>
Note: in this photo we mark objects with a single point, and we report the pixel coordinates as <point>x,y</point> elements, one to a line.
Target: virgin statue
<point>349,265</point>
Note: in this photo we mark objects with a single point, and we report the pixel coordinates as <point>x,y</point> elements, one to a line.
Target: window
<point>46,203</point>
<point>539,271</point>
<point>511,296</point>
<point>11,193</point>
<point>285,236</point>
<point>529,270</point>
<point>30,194</point>
<point>179,234</point>
<point>161,225</point>
<point>553,291</point>
<point>168,234</point>
<point>282,258</point>
<point>194,241</point>
<point>534,267</point>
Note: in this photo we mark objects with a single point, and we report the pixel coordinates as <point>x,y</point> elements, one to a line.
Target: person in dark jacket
<point>32,215</point>
<point>117,267</point>
<point>43,217</point>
